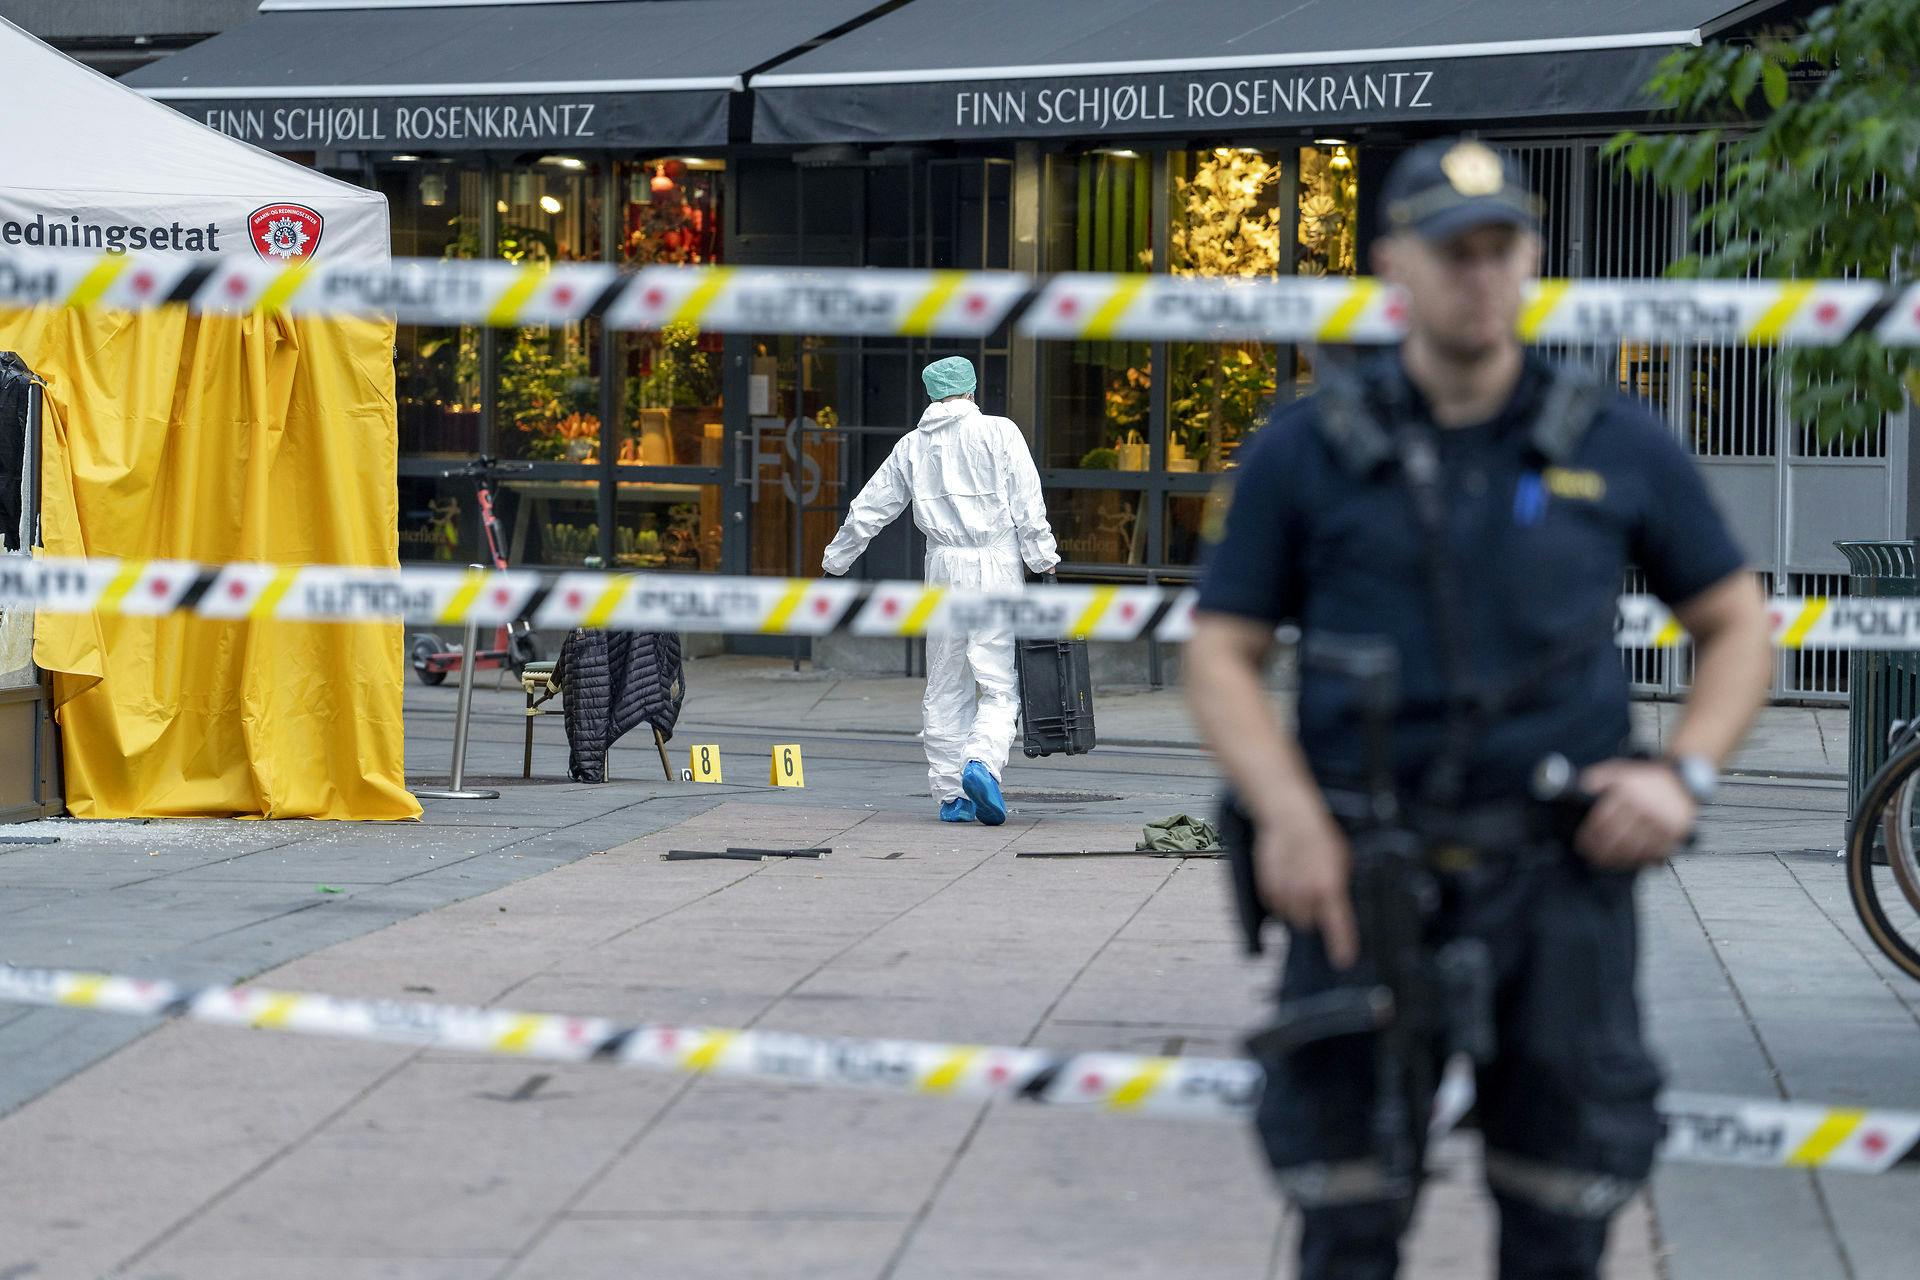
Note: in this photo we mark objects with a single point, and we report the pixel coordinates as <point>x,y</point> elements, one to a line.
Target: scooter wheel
<point>420,649</point>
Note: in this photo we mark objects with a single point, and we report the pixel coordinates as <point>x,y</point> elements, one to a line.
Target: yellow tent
<point>181,437</point>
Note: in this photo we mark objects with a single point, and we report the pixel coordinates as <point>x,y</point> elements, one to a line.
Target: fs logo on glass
<point>284,232</point>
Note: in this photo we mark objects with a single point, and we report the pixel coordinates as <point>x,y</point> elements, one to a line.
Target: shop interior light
<point>702,162</point>
<point>1118,153</point>
<point>660,182</point>
<point>1329,142</point>
<point>550,204</point>
<point>1341,160</point>
<point>1223,152</point>
<point>564,162</point>
<point>433,189</point>
<point>403,159</point>
<point>500,206</point>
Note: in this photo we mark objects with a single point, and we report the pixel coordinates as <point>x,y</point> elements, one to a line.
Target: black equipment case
<point>1056,697</point>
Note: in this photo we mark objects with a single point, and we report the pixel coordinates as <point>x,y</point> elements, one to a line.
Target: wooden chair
<point>541,688</point>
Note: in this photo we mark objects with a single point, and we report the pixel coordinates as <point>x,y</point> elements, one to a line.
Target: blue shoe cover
<point>958,809</point>
<point>978,782</point>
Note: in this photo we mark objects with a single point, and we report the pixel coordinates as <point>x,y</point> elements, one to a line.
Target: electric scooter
<point>514,646</point>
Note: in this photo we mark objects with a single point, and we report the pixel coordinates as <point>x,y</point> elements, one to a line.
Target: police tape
<point>881,302</point>
<point>717,604</point>
<point>1699,1128</point>
<point>1108,1081</point>
<point>611,601</point>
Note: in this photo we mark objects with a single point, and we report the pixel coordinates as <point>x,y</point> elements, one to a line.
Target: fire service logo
<point>284,232</point>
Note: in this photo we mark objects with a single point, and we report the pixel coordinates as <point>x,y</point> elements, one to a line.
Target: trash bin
<point>1882,687</point>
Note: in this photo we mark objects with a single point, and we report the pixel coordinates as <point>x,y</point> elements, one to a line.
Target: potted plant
<point>683,379</point>
<point>569,543</point>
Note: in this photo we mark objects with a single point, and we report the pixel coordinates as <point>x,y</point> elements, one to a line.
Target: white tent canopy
<point>88,163</point>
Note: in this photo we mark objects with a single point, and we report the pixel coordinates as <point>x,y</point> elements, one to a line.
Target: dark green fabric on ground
<point>1180,834</point>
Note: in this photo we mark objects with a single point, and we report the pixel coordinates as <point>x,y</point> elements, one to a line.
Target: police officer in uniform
<point>1473,506</point>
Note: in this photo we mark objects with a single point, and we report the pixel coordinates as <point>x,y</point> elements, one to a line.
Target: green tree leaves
<point>1774,77</point>
<point>1822,183</point>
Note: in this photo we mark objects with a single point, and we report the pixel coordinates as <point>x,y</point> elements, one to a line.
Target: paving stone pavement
<point>191,1151</point>
<point>247,1154</point>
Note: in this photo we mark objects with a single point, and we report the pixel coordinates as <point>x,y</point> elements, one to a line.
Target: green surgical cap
<point>950,377</point>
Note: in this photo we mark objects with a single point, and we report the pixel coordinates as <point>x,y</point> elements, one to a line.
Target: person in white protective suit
<point>976,497</point>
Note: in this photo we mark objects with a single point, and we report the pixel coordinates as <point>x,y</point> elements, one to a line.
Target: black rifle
<point>1421,1003</point>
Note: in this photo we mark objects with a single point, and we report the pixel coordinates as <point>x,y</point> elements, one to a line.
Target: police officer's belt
<point>1464,835</point>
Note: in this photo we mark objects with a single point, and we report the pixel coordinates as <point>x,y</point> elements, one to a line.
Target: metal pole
<point>457,790</point>
<point>795,477</point>
<point>30,467</point>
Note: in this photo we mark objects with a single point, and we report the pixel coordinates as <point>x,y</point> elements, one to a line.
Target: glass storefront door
<point>789,457</point>
<point>819,413</point>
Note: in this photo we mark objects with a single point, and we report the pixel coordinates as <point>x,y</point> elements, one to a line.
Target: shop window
<point>1228,215</point>
<point>1190,521</point>
<point>667,526</point>
<point>797,457</point>
<point>1329,200</point>
<point>668,211</point>
<point>1326,224</point>
<point>436,210</point>
<point>431,522</point>
<point>1097,526</point>
<point>657,525</point>
<point>1099,218</point>
<point>670,395</point>
<point>440,521</point>
<point>547,390</point>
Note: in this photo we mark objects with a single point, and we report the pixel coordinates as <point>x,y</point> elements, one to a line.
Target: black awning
<point>957,69</point>
<point>593,73</point>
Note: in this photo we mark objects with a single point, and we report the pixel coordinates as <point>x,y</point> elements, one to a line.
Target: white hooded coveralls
<point>976,497</point>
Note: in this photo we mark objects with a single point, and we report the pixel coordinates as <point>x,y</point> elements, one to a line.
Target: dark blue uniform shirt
<point>1538,552</point>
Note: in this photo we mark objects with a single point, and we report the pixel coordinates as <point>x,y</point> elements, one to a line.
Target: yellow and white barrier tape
<point>1706,1129</point>
<point>891,303</point>
<point>757,606</point>
<point>615,601</point>
<point>1698,1128</point>
<point>1108,1081</point>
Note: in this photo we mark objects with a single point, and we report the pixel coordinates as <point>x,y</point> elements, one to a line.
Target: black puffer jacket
<point>612,681</point>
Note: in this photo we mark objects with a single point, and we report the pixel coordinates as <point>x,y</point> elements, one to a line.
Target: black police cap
<point>1440,189</point>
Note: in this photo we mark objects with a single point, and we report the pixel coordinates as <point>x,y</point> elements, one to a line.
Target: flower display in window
<point>574,438</point>
<point>1227,220</point>
<point>1329,212</point>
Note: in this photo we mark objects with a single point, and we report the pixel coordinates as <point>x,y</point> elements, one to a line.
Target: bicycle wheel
<point>1886,895</point>
<point>1900,827</point>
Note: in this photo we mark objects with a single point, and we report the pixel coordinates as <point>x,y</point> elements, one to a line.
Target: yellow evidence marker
<point>706,763</point>
<point>787,770</point>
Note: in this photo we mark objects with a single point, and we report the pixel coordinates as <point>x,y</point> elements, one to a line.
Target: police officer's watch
<point>1699,775</point>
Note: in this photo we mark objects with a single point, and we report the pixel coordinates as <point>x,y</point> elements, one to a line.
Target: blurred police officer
<point>1491,575</point>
